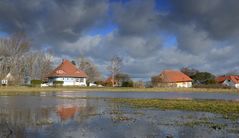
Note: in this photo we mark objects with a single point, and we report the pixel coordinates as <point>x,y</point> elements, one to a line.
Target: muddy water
<point>58,115</point>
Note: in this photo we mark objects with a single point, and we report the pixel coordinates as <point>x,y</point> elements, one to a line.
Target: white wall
<point>237,85</point>
<point>229,83</point>
<point>184,84</point>
<point>69,81</point>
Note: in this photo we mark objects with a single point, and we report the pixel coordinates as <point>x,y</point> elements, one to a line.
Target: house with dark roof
<point>174,78</point>
<point>69,74</point>
<point>231,80</point>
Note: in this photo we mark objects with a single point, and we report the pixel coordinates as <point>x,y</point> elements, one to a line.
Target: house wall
<point>4,82</point>
<point>184,84</point>
<point>177,84</point>
<point>237,85</point>
<point>69,81</point>
<point>229,83</point>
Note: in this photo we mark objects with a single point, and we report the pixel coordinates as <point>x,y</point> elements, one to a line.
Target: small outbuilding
<point>109,81</point>
<point>7,79</point>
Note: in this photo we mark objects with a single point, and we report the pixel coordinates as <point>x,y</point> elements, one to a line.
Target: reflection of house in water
<point>70,94</point>
<point>66,112</point>
<point>24,115</point>
<point>78,110</point>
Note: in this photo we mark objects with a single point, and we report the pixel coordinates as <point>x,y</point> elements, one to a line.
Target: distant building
<point>173,78</point>
<point>7,79</point>
<point>69,74</point>
<point>109,81</point>
<point>231,81</point>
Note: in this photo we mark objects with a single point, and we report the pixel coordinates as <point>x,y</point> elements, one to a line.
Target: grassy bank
<point>229,109</point>
<point>21,89</point>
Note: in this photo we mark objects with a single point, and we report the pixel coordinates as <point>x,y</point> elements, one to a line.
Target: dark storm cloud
<point>206,31</point>
<point>136,17</point>
<point>51,21</point>
<point>218,17</point>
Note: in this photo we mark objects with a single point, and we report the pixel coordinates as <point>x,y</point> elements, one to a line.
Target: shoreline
<point>26,89</point>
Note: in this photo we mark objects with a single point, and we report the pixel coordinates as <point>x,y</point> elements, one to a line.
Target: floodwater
<point>95,115</point>
<point>149,95</point>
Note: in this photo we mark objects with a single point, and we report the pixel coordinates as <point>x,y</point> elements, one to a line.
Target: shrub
<point>127,84</point>
<point>58,83</point>
<point>36,83</point>
<point>211,86</point>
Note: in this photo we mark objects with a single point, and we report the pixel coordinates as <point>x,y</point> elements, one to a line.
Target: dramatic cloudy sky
<point>150,35</point>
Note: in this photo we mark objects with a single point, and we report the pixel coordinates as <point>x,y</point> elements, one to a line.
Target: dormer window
<point>60,72</point>
<point>77,71</point>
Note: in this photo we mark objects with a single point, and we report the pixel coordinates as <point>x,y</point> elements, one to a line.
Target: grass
<point>229,109</point>
<point>21,89</point>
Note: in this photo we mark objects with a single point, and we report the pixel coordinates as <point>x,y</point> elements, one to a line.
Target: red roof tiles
<point>67,69</point>
<point>109,80</point>
<point>172,76</point>
<point>233,78</point>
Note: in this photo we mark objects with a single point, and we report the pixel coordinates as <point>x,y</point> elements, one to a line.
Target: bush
<point>36,83</point>
<point>211,86</point>
<point>58,83</point>
<point>127,84</point>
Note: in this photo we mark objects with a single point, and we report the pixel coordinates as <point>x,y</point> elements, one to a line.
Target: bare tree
<point>12,52</point>
<point>37,65</point>
<point>17,58</point>
<point>156,80</point>
<point>115,67</point>
<point>90,69</point>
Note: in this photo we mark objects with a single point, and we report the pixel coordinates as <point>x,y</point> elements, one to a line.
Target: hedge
<point>36,82</point>
<point>58,83</point>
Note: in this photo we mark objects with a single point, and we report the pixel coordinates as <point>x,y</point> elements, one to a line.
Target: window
<point>81,79</point>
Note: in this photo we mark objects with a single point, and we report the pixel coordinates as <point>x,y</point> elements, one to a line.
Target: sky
<point>149,35</point>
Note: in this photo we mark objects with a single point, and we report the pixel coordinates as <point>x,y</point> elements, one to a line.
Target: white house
<point>7,79</point>
<point>231,81</point>
<point>69,74</point>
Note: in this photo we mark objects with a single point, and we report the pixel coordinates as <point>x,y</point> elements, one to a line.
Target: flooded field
<point>96,115</point>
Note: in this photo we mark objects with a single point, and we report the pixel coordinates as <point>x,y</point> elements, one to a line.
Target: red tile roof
<point>172,76</point>
<point>220,79</point>
<point>233,78</point>
<point>109,79</point>
<point>67,69</point>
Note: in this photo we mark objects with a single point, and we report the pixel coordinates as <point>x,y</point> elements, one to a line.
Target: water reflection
<point>64,116</point>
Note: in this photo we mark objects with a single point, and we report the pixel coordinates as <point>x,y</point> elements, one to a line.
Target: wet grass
<point>229,109</point>
<point>215,126</point>
<point>26,89</point>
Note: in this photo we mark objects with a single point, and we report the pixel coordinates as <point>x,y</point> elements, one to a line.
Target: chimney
<point>63,60</point>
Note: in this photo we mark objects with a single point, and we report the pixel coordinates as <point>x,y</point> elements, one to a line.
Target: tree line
<point>18,58</point>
